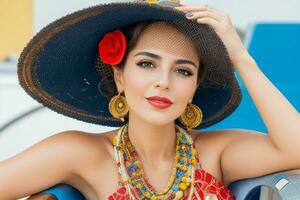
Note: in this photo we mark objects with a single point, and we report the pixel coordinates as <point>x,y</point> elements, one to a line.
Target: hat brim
<point>57,67</point>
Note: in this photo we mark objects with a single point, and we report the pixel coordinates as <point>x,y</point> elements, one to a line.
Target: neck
<point>153,143</point>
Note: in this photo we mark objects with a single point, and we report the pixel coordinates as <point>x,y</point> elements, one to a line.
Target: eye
<point>147,64</point>
<point>144,64</point>
<point>185,72</point>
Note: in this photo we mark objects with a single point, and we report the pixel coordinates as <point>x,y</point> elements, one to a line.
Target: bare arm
<point>53,160</point>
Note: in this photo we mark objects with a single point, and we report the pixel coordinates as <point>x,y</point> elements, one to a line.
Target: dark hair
<point>132,33</point>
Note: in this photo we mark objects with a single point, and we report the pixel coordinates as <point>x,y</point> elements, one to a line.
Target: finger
<point>200,8</point>
<point>202,14</point>
<point>209,21</point>
<point>192,8</point>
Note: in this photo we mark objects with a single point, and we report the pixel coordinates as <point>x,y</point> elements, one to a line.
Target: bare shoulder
<point>97,175</point>
<point>218,140</point>
<point>212,140</point>
<point>211,145</point>
<point>86,150</point>
<point>95,147</point>
<point>94,174</point>
<point>221,138</point>
<point>80,146</point>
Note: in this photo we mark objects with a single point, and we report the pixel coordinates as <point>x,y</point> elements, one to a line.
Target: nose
<point>163,80</point>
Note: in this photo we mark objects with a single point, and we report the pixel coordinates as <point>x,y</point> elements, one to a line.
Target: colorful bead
<point>182,186</point>
<point>193,161</point>
<point>184,179</point>
<point>147,194</point>
<point>175,188</point>
<point>194,151</point>
<point>180,181</point>
<point>179,194</point>
<point>153,197</point>
<point>115,140</point>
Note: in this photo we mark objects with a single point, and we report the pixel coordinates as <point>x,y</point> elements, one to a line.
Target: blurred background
<point>24,122</point>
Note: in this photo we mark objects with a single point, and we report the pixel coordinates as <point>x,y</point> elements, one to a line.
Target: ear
<point>118,77</point>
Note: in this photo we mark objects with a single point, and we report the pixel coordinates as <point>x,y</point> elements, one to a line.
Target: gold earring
<point>118,106</point>
<point>191,117</point>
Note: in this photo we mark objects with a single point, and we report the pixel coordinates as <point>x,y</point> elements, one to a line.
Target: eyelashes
<point>147,64</point>
<point>185,72</point>
<point>142,64</point>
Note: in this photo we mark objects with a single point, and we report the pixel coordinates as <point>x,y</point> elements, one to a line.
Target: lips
<point>159,102</point>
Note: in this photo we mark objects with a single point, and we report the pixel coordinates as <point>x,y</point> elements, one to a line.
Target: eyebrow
<point>152,55</point>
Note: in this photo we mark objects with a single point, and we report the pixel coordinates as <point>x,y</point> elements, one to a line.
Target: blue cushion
<point>64,192</point>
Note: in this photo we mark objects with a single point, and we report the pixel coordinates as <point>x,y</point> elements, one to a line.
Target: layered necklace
<point>132,175</point>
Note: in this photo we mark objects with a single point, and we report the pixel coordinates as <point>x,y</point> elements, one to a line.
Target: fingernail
<point>188,14</point>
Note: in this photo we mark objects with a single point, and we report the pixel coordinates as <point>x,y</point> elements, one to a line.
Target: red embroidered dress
<point>205,185</point>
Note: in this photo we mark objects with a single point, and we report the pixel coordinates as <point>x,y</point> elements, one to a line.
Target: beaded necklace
<point>132,175</point>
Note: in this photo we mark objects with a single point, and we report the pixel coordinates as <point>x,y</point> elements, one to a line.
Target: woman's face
<point>163,63</point>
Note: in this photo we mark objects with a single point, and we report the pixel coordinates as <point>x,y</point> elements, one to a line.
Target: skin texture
<point>85,160</point>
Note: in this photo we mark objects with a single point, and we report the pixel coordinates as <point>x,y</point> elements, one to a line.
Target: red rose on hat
<point>112,47</point>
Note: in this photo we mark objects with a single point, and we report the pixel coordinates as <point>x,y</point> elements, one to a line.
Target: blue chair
<point>285,184</point>
<point>274,46</point>
<point>59,191</point>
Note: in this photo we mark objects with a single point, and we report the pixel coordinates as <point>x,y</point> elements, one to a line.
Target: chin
<point>158,120</point>
<point>159,117</point>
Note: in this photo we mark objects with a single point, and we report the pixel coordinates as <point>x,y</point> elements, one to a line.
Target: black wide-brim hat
<point>57,67</point>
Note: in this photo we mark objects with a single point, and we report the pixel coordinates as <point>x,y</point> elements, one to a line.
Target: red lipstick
<point>159,102</point>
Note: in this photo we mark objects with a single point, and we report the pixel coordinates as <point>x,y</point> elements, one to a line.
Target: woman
<point>157,79</point>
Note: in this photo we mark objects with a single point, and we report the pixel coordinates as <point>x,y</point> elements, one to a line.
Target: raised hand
<point>221,23</point>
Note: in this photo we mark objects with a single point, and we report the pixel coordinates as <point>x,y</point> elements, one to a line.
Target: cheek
<point>184,89</point>
<point>135,83</point>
